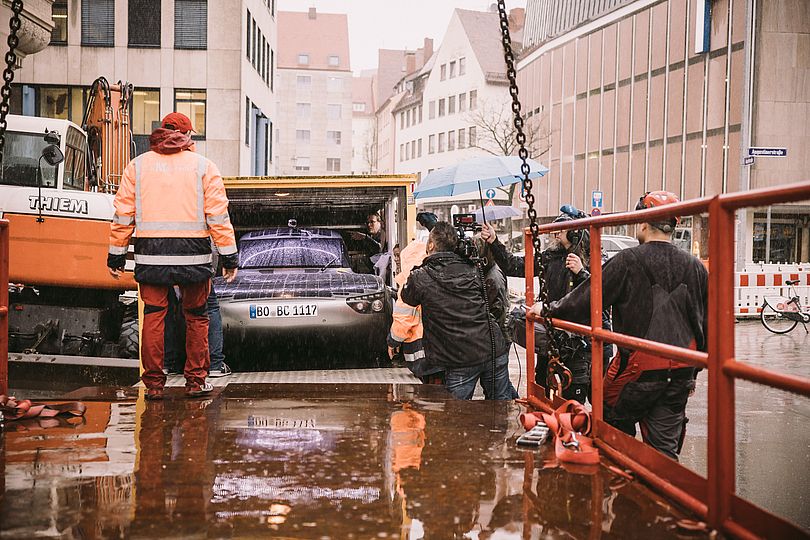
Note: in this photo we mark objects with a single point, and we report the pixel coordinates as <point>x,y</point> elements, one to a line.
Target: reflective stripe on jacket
<point>175,202</point>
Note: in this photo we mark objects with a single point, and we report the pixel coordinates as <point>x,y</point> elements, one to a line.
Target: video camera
<point>464,223</point>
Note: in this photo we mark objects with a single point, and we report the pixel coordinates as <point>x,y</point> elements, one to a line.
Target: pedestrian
<point>566,262</point>
<point>460,334</point>
<point>175,200</point>
<point>376,231</point>
<point>406,333</point>
<point>660,293</point>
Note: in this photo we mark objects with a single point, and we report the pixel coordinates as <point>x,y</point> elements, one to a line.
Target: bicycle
<point>781,314</point>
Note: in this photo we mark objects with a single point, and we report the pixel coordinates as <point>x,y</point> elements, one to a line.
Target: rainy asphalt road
<point>307,461</point>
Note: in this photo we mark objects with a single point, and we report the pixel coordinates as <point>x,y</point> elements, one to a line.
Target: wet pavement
<point>306,461</point>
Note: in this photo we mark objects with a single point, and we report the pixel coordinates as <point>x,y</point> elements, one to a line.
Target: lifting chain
<point>558,376</point>
<point>14,25</point>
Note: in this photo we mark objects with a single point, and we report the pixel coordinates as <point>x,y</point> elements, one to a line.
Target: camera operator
<point>566,263</point>
<point>459,331</point>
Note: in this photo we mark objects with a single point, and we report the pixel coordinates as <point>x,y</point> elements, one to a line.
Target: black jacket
<point>456,324</point>
<point>626,287</point>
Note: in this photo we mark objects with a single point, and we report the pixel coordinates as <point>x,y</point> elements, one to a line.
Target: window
<point>263,70</point>
<point>333,137</point>
<point>302,136</point>
<point>255,32</point>
<point>144,23</point>
<point>420,113</point>
<point>441,142</point>
<point>451,140</point>
<point>302,164</point>
<point>145,111</point>
<point>441,107</point>
<point>359,107</point>
<point>462,66</point>
<point>419,148</point>
<point>247,34</point>
<point>303,82</point>
<point>432,144</point>
<point>461,139</point>
<point>334,61</point>
<point>443,71</point>
<point>247,121</point>
<point>451,105</point>
<point>190,24</point>
<point>303,59</point>
<point>402,120</point>
<point>473,99</point>
<point>75,150</point>
<point>462,102</point>
<point>26,148</point>
<point>408,117</point>
<point>53,102</point>
<point>334,84</point>
<point>452,69</point>
<point>473,137</point>
<point>303,109</point>
<point>333,112</point>
<point>98,23</point>
<point>192,103</point>
<point>333,164</point>
<point>402,152</point>
<point>431,110</point>
<point>59,15</point>
<point>272,69</point>
<point>413,149</point>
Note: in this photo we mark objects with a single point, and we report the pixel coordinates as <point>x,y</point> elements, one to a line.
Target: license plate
<point>259,311</point>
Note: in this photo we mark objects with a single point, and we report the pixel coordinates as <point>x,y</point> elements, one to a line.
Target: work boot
<point>198,391</point>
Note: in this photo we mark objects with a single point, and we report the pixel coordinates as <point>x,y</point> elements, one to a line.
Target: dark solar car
<point>296,285</point>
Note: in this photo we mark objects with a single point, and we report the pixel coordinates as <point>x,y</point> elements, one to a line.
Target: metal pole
<point>721,439</point>
<point>745,135</point>
<point>4,239</point>
<point>528,271</point>
<point>596,323</point>
<point>768,237</point>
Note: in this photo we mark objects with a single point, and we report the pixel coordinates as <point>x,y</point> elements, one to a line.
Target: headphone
<point>569,213</point>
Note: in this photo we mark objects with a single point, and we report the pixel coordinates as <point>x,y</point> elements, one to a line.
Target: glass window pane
<point>144,23</point>
<point>59,15</point>
<point>192,103</point>
<point>145,111</point>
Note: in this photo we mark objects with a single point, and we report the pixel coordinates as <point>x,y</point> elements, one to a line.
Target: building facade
<point>315,94</point>
<point>446,108</point>
<point>670,94</point>
<point>364,129</point>
<point>213,61</point>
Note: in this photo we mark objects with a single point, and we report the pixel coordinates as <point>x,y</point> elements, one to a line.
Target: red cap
<point>178,122</point>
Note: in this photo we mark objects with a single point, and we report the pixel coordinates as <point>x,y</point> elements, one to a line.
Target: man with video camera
<point>460,333</point>
<point>566,263</point>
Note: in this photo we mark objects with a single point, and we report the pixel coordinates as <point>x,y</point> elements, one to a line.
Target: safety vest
<point>406,326</point>
<point>175,202</point>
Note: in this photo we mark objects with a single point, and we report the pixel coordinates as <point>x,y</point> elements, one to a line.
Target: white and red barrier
<point>752,285</point>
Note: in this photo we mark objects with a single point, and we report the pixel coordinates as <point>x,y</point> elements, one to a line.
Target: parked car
<point>614,243</point>
<point>295,287</point>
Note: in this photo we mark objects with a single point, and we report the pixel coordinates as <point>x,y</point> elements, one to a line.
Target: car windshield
<point>291,253</point>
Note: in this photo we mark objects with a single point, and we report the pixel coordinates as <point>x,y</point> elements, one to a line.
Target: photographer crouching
<point>460,333</point>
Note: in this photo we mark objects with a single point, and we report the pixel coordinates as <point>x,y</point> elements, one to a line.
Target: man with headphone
<point>565,262</point>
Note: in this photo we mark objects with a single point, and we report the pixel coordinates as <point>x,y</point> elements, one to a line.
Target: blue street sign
<point>596,199</point>
<point>490,193</point>
<point>760,151</point>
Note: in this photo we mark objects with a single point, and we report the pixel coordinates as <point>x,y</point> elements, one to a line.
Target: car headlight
<point>367,303</point>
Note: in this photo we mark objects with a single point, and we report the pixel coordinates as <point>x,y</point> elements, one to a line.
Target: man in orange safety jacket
<point>176,201</point>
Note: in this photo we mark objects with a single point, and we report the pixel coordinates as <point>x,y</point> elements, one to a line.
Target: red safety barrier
<point>3,306</point>
<point>713,498</point>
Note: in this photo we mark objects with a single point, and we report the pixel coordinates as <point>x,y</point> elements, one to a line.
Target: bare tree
<point>496,134</point>
<point>370,146</point>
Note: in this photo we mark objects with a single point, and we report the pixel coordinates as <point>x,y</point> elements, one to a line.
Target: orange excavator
<point>57,186</point>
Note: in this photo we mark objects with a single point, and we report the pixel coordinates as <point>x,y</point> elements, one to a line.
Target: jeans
<point>461,381</point>
<point>173,334</point>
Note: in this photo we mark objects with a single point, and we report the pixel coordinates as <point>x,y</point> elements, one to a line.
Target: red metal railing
<point>3,306</point>
<point>713,497</point>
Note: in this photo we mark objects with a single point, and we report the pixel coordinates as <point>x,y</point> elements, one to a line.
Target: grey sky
<point>391,24</point>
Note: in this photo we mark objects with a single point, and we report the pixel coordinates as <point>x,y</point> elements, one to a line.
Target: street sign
<point>596,212</point>
<point>748,160</point>
<point>490,203</point>
<point>761,151</point>
<point>596,199</point>
<point>490,193</point>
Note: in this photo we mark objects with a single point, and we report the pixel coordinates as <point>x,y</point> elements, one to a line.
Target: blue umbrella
<point>476,174</point>
<point>496,212</point>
